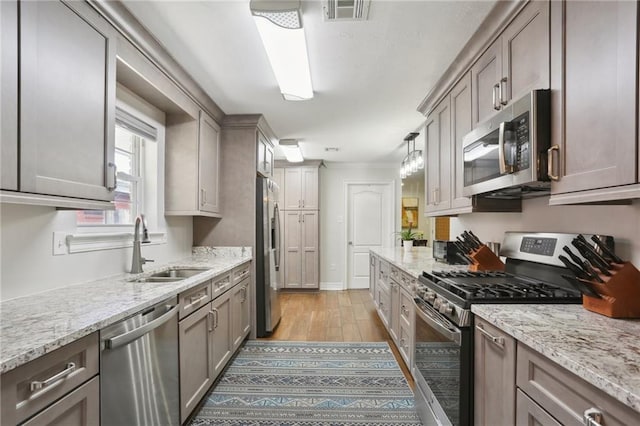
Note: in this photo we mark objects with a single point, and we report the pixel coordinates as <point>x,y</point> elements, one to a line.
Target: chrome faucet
<point>137,261</point>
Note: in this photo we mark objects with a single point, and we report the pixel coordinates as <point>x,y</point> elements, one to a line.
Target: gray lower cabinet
<point>241,312</point>
<point>196,359</point>
<point>67,101</point>
<point>80,408</point>
<point>394,317</point>
<point>530,413</point>
<point>59,388</point>
<point>221,338</point>
<point>494,375</point>
<point>373,278</point>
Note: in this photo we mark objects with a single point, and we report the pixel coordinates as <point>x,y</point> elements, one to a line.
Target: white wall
<point>28,265</point>
<point>333,241</point>
<point>623,222</point>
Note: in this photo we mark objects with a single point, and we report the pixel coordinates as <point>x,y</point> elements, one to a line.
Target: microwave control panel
<point>521,127</point>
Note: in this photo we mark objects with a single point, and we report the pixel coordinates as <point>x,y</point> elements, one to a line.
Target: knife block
<point>620,293</point>
<point>485,260</point>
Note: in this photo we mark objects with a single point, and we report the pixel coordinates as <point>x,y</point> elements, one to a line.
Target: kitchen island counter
<point>34,325</point>
<point>605,352</point>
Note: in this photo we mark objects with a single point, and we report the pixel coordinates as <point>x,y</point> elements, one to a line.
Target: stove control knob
<point>448,310</point>
<point>443,306</point>
<point>430,296</point>
<point>436,303</point>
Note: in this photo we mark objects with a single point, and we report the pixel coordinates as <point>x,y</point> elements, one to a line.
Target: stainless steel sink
<point>170,275</point>
<point>179,273</point>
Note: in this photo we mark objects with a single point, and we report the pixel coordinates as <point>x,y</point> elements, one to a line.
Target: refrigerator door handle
<point>276,232</point>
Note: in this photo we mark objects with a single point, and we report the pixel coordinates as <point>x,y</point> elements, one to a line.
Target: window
<point>131,139</point>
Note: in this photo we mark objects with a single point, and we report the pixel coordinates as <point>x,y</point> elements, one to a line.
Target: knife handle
<point>606,250</point>
<point>592,272</point>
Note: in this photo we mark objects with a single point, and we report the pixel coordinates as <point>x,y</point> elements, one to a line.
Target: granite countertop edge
<point>54,325</point>
<point>413,261</point>
<point>597,375</point>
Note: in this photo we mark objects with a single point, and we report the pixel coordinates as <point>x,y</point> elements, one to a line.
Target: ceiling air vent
<point>346,10</point>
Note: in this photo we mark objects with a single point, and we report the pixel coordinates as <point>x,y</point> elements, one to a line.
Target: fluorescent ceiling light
<point>291,150</point>
<point>280,26</point>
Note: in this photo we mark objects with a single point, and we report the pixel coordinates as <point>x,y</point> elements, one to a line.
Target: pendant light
<point>413,161</point>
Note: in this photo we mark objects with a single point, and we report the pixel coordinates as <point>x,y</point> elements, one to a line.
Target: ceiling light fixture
<point>279,23</point>
<point>414,160</point>
<point>291,150</point>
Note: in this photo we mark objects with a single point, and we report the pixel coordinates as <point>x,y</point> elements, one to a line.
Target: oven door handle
<point>440,323</point>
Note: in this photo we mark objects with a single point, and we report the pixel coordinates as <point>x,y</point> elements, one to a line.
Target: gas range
<point>532,275</point>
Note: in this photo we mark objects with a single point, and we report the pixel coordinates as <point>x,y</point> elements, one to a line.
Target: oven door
<point>441,368</point>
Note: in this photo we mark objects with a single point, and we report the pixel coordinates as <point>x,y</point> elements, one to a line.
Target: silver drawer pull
<point>69,368</point>
<point>593,417</point>
<point>497,340</point>
<point>197,298</point>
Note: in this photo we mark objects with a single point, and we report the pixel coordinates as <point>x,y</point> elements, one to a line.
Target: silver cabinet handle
<point>112,178</point>
<point>210,321</point>
<point>197,298</point>
<point>496,100</point>
<point>70,367</point>
<point>497,340</point>
<point>215,318</point>
<point>593,417</point>
<point>130,336</point>
<point>202,196</point>
<point>550,162</point>
<point>503,83</point>
<point>404,310</point>
<point>302,203</point>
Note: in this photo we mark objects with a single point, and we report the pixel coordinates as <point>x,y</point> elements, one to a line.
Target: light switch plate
<point>59,243</point>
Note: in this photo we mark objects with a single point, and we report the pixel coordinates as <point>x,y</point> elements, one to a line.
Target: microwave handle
<point>504,167</point>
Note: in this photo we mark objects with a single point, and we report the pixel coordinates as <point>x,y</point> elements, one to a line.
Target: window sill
<point>84,242</point>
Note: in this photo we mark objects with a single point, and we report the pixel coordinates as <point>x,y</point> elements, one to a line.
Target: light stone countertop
<point>603,351</point>
<point>34,325</point>
<point>415,260</point>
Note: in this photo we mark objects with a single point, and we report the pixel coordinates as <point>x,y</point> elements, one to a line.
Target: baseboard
<point>338,285</point>
<point>359,288</point>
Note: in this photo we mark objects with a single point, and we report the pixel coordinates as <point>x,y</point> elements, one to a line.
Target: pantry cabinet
<point>301,188</point>
<point>192,166</point>
<point>594,49</point>
<point>63,143</point>
<point>301,249</point>
<point>514,64</point>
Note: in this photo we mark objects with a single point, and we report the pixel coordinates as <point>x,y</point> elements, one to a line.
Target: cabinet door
<point>530,413</point>
<point>486,74</point>
<point>309,185</point>
<point>494,375</point>
<point>209,163</point>
<point>67,101</point>
<point>594,122</point>
<point>460,126</point>
<point>372,277</point>
<point>264,159</point>
<point>310,250</point>
<point>292,249</point>
<point>9,98</point>
<point>79,408</point>
<point>525,52</point>
<point>438,173</point>
<point>196,359</point>
<point>394,317</point>
<point>221,342</point>
<point>240,313</point>
<point>245,308</point>
<point>292,188</point>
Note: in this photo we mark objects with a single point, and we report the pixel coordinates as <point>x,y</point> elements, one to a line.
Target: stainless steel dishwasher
<point>139,369</point>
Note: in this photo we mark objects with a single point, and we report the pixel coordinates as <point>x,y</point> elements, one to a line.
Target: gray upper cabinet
<point>208,161</point>
<point>438,158</point>
<point>264,158</point>
<point>517,62</point>
<point>301,188</point>
<point>460,126</point>
<point>595,61</point>
<point>9,98</point>
<point>192,166</point>
<point>67,101</point>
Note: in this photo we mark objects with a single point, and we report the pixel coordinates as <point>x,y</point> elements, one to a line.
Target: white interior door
<point>370,208</point>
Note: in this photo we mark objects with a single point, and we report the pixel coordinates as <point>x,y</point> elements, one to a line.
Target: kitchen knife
<point>592,256</point>
<point>464,245</point>
<point>462,253</point>
<point>470,241</point>
<point>573,257</point>
<point>606,250</point>
<point>587,266</point>
<point>581,286</point>
<point>592,250</point>
<point>578,271</point>
<point>477,240</point>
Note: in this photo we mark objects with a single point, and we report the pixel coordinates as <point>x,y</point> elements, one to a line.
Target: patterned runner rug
<point>310,384</point>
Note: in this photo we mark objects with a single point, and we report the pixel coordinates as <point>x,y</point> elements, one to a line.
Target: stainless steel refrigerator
<point>267,257</point>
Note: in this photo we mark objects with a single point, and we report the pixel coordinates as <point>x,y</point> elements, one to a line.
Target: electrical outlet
<point>332,266</point>
<point>59,243</point>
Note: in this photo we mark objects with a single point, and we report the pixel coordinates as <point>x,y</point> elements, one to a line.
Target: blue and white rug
<point>310,384</point>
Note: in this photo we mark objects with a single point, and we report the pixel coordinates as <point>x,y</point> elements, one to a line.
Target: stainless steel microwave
<point>508,153</point>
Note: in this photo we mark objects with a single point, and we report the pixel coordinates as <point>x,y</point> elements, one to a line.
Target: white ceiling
<point>368,77</point>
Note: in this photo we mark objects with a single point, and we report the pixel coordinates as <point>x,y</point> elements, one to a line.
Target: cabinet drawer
<point>80,408</point>
<point>563,394</point>
<point>406,307</point>
<point>192,299</point>
<point>221,283</point>
<point>33,386</point>
<point>241,272</point>
<point>405,342</point>
<point>395,273</point>
<point>407,282</point>
<point>530,413</point>
<point>383,269</point>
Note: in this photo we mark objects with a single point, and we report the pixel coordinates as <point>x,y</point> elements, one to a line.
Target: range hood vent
<point>346,10</point>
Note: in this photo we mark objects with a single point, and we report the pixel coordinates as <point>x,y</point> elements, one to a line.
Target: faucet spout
<point>137,260</point>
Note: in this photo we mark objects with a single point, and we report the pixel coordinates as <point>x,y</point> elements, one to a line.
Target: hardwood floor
<point>333,316</point>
